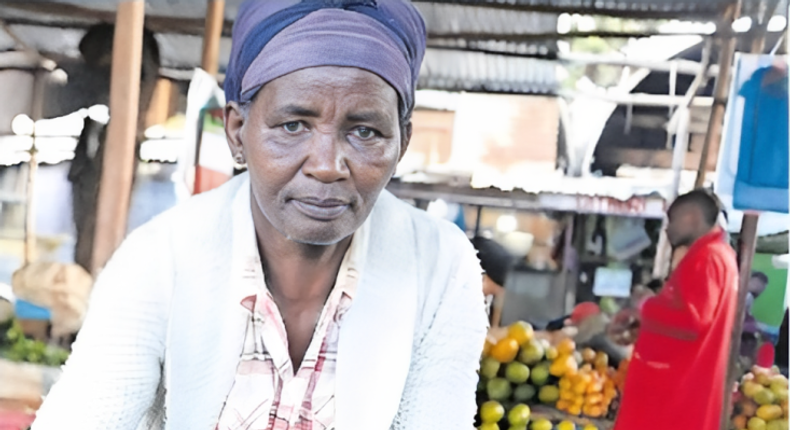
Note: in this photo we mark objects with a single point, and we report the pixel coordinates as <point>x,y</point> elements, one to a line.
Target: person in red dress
<point>677,373</point>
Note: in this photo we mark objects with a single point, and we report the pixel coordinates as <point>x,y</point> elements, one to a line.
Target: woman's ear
<point>405,139</point>
<point>234,125</point>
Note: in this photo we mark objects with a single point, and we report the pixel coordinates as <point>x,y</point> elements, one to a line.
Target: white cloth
<point>163,334</point>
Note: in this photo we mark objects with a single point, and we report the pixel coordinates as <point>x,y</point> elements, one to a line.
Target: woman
<point>300,295</point>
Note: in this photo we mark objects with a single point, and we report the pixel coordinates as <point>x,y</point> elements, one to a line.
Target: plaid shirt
<point>267,393</point>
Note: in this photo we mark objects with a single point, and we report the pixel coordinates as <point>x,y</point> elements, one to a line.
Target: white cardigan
<point>162,339</point>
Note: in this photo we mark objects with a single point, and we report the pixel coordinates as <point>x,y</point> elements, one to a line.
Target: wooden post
<point>215,18</point>
<point>39,86</point>
<point>747,244</point>
<point>118,172</point>
<point>720,93</point>
<point>161,103</point>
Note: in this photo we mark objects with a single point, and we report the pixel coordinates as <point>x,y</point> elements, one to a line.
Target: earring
<point>239,159</point>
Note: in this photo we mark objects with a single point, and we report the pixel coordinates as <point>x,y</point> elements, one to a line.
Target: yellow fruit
<point>563,405</point>
<point>532,352</point>
<point>521,331</point>
<point>769,412</point>
<point>549,394</point>
<point>541,424</point>
<point>765,397</point>
<point>566,347</point>
<point>751,388</point>
<point>567,395</point>
<point>756,424</point>
<point>590,427</point>
<point>552,353</point>
<point>575,410</point>
<point>779,392</point>
<point>489,343</point>
<point>593,399</point>
<point>763,379</point>
<point>565,384</point>
<point>519,415</point>
<point>588,355</point>
<point>489,426</point>
<point>566,425</point>
<point>779,381</point>
<point>593,411</point>
<point>562,365</point>
<point>491,412</point>
<point>505,350</point>
<point>781,424</point>
<point>601,360</point>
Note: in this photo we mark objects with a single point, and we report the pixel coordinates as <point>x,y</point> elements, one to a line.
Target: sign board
<point>612,282</point>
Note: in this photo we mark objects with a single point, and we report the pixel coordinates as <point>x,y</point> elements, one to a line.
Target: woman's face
<point>320,145</point>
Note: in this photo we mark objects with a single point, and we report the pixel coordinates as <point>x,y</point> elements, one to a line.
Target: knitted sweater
<point>164,330</point>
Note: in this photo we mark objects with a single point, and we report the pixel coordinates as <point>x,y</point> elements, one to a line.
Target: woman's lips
<point>322,210</point>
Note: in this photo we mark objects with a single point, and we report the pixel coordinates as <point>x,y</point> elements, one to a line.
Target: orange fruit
<point>740,422</point>
<point>505,350</point>
<point>593,399</point>
<point>521,331</point>
<point>563,405</point>
<point>575,410</point>
<point>489,343</point>
<point>588,355</point>
<point>566,347</point>
<point>601,360</point>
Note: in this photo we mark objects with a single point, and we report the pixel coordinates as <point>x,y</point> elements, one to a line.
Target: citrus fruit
<point>765,397</point>
<point>524,393</point>
<point>517,373</point>
<point>524,427</point>
<point>519,415</point>
<point>540,374</point>
<point>566,347</point>
<point>541,424</point>
<point>769,412</point>
<point>549,394</point>
<point>498,389</point>
<point>505,350</point>
<point>521,331</point>
<point>489,367</point>
<point>491,412</point>
<point>739,422</point>
<point>531,352</point>
<point>566,425</point>
<point>590,427</point>
<point>780,424</point>
<point>756,424</point>
<point>588,355</point>
<point>489,426</point>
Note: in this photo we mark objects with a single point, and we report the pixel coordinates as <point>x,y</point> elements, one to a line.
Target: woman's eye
<point>365,133</point>
<point>293,127</point>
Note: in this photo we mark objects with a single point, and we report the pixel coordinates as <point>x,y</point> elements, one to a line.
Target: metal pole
<point>215,18</point>
<point>118,172</point>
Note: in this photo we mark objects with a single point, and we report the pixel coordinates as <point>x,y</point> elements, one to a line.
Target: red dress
<point>677,374</point>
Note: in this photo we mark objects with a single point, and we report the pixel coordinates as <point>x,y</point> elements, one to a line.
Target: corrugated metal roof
<point>479,72</point>
<point>657,8</point>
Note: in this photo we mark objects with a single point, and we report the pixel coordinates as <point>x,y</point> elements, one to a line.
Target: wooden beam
<point>118,164</point>
<point>215,17</point>
<point>720,93</point>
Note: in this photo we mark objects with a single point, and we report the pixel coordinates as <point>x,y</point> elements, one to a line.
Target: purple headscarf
<point>272,38</point>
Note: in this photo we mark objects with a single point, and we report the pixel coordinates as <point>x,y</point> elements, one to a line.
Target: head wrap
<point>272,38</point>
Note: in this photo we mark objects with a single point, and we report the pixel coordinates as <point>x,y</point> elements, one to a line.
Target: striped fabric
<point>268,394</point>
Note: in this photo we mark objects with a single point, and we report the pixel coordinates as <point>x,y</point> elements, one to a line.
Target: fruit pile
<point>761,402</point>
<point>591,390</point>
<point>518,370</point>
